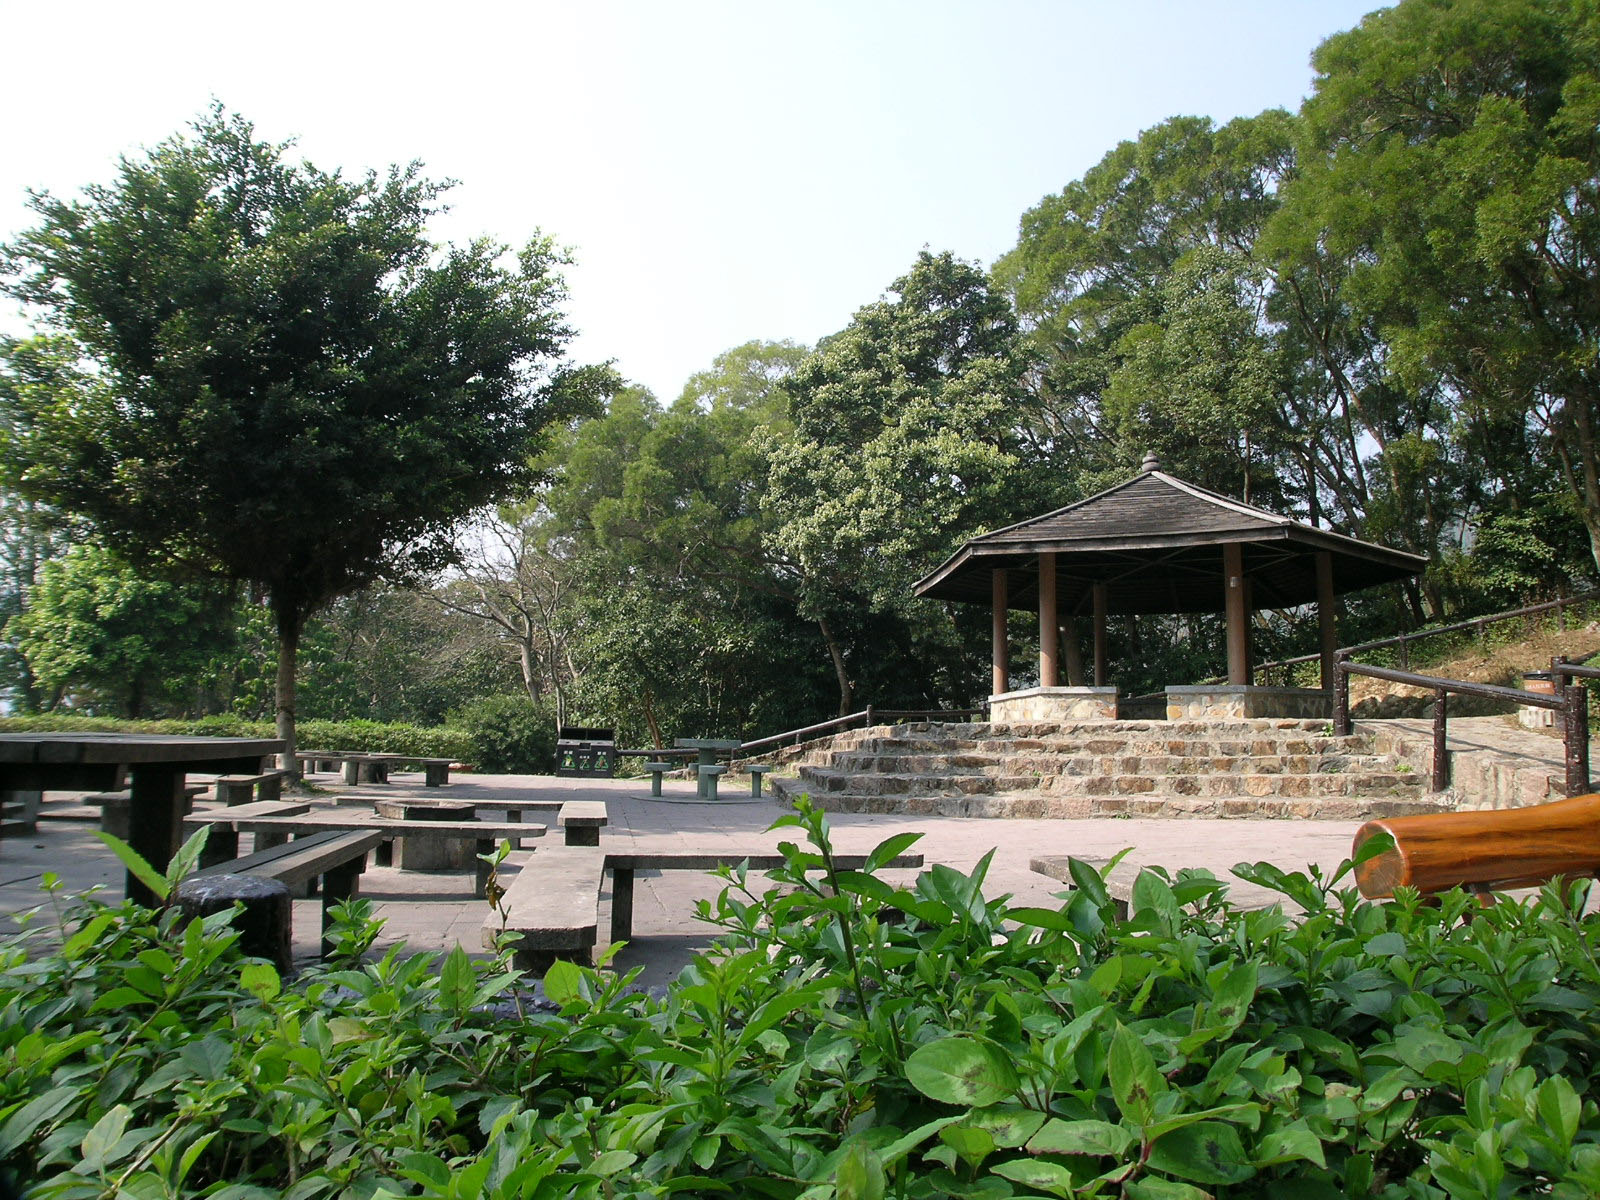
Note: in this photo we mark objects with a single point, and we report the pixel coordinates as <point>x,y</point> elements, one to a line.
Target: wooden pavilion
<point>1157,544</point>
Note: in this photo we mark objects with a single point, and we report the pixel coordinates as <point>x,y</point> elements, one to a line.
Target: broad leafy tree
<point>1452,151</point>
<point>292,385</point>
<point>119,642</point>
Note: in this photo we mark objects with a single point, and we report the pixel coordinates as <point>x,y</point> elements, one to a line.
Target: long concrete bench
<point>552,906</point>
<point>223,842</point>
<point>484,833</point>
<point>1119,881</point>
<point>332,862</point>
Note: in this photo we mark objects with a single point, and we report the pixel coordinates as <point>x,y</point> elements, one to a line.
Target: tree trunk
<point>288,653</point>
<point>847,694</point>
<point>650,719</point>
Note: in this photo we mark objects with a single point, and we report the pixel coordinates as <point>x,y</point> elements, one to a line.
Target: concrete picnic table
<point>156,765</point>
<point>708,749</point>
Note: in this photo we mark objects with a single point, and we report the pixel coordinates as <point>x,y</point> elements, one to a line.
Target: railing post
<point>1441,756</point>
<point>1557,675</point>
<point>1577,739</point>
<point>1341,693</point>
<point>869,714</point>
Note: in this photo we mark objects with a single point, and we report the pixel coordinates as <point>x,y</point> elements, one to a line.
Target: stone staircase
<point>1243,768</point>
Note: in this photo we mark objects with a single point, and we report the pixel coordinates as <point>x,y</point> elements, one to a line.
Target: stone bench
<point>242,789</point>
<point>329,862</point>
<point>115,807</point>
<point>483,833</point>
<point>1119,882</point>
<point>553,904</point>
<point>223,841</point>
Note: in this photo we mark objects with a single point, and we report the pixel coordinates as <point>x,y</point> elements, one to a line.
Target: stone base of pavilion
<point>1054,704</point>
<point>1223,702</point>
<point>1200,702</point>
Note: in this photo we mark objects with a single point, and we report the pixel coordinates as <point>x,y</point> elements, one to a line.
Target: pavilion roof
<point>1156,542</point>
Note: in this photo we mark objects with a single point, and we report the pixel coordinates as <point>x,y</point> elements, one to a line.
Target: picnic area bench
<point>242,789</point>
<point>330,862</point>
<point>553,904</point>
<point>1119,881</point>
<point>1483,852</point>
<point>359,766</point>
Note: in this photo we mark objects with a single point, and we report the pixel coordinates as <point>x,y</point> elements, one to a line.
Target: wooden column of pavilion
<point>1157,544</point>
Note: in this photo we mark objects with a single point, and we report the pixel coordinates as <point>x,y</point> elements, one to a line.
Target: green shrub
<point>392,738</point>
<point>511,735</point>
<point>846,1039</point>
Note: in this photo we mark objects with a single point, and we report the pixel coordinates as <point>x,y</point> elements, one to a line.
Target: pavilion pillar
<point>1049,624</point>
<point>1236,604</point>
<point>1327,625</point>
<point>1099,593</point>
<point>1071,652</point>
<point>1002,649</point>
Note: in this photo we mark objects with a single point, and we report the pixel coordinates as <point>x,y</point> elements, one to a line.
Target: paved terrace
<point>437,911</point>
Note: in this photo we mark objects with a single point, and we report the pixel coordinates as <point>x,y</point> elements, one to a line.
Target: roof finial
<point>1151,463</point>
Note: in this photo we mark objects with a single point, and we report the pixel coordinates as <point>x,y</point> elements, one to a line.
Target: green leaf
<point>1135,1082</point>
<point>21,1125</point>
<point>134,861</point>
<point>1152,1188</point>
<point>890,847</point>
<point>185,860</point>
<point>457,980</point>
<point>261,980</point>
<point>1291,1142</point>
<point>961,1070</point>
<point>1010,1125</point>
<point>1207,1152</point>
<point>973,1145</point>
<point>1037,1173</point>
<point>1081,1137</point>
<point>563,982</point>
<point>101,1144</point>
<point>860,1173</point>
<point>1231,1001</point>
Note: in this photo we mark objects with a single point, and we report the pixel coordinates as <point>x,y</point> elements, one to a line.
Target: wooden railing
<point>867,716</point>
<point>1480,625</point>
<point>1571,701</point>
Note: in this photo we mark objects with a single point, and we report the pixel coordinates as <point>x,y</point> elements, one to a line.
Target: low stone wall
<point>1054,704</point>
<point>1212,702</point>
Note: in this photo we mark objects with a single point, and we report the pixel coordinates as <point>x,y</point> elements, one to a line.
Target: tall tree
<point>293,386</point>
<point>909,436</point>
<point>1454,147</point>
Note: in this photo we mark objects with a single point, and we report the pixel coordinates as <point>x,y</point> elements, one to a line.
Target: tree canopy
<point>290,384</point>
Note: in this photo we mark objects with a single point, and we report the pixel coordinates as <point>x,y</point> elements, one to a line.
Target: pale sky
<point>722,170</point>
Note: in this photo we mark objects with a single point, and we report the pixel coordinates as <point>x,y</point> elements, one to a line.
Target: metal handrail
<point>1404,640</point>
<point>867,716</point>
<point>1572,702</point>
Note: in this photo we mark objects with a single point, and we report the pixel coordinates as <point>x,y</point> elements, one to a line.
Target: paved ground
<point>437,911</point>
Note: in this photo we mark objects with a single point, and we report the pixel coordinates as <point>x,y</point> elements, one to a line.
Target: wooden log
<point>1503,848</point>
<point>263,922</point>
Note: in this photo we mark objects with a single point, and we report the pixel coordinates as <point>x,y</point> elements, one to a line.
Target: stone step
<point>1111,745</point>
<point>1048,765</point>
<point>1034,805</point>
<point>1331,783</point>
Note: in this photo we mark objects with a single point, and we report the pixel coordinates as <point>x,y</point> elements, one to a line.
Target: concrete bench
<point>484,833</point>
<point>581,821</point>
<point>710,773</point>
<point>553,903</point>
<point>1119,883</point>
<point>242,789</point>
<point>223,843</point>
<point>115,807</point>
<point>358,765</point>
<point>657,769</point>
<point>1483,852</point>
<point>330,862</point>
<point>756,771</point>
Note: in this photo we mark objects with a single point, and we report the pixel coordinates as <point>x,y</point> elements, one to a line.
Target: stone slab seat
<point>242,789</point>
<point>552,906</point>
<point>484,832</point>
<point>334,859</point>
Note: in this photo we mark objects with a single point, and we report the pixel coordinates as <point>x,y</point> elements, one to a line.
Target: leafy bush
<point>392,738</point>
<point>846,1039</point>
<point>511,734</point>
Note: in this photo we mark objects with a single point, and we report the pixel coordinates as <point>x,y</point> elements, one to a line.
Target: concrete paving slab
<point>432,911</point>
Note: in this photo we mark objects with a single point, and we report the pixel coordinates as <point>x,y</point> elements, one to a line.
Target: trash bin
<point>1544,683</point>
